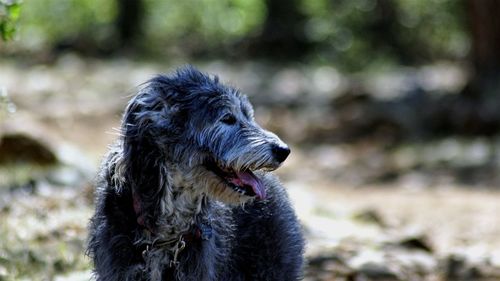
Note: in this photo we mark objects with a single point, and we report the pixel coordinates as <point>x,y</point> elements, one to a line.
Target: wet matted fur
<point>192,166</point>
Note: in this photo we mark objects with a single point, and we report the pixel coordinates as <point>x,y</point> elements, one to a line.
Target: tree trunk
<point>476,111</point>
<point>128,22</point>
<point>282,36</point>
<point>484,23</point>
<point>478,106</point>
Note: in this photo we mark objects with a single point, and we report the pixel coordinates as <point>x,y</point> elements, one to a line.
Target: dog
<point>187,193</point>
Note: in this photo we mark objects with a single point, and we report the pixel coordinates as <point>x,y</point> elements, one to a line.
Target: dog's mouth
<point>244,182</point>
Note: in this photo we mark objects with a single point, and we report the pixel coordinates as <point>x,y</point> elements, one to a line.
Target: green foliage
<point>9,15</point>
<point>438,24</point>
<point>355,34</point>
<point>46,22</point>
<point>197,23</point>
<point>352,34</point>
<point>202,23</point>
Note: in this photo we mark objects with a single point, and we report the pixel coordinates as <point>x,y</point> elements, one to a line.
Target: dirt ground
<point>71,103</point>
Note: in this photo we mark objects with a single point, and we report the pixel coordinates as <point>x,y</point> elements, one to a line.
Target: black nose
<point>280,152</point>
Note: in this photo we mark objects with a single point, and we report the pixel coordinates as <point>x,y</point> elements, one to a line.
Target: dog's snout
<point>280,152</point>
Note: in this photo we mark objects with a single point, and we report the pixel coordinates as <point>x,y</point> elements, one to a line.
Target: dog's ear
<point>147,130</point>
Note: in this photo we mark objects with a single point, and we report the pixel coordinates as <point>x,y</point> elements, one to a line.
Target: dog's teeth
<point>239,190</point>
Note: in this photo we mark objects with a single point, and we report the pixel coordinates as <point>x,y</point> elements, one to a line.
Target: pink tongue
<point>248,178</point>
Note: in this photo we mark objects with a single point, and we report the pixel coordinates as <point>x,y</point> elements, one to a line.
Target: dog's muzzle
<point>244,182</point>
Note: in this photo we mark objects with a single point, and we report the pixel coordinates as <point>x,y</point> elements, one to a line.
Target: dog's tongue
<point>248,178</point>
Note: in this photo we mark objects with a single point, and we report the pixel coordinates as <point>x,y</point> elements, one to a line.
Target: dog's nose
<point>280,152</point>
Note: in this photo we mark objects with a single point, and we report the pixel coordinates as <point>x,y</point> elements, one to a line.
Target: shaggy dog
<point>186,193</point>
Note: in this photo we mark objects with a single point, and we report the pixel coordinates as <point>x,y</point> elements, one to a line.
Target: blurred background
<point>391,107</point>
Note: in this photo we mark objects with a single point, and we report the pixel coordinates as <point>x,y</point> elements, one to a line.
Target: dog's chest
<point>180,205</point>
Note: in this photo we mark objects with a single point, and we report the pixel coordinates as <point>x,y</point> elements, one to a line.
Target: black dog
<point>186,192</point>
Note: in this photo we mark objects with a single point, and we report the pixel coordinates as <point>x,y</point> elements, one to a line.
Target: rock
<point>413,265</point>
<point>370,216</point>
<point>417,243</point>
<point>457,268</point>
<point>375,271</point>
<point>21,148</point>
<point>66,176</point>
<point>24,159</point>
<point>462,268</point>
<point>29,154</point>
<point>328,267</point>
<point>73,158</point>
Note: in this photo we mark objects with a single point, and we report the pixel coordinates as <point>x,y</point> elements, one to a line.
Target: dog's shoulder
<point>270,231</point>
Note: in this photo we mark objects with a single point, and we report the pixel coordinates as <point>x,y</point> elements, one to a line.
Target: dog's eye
<point>228,119</point>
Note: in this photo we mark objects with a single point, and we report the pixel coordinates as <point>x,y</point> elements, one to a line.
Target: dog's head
<point>206,134</point>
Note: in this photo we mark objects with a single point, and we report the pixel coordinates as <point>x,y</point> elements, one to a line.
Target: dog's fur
<point>156,185</point>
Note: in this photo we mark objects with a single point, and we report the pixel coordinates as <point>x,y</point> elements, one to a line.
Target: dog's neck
<point>165,201</point>
<point>182,206</point>
<point>180,211</point>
